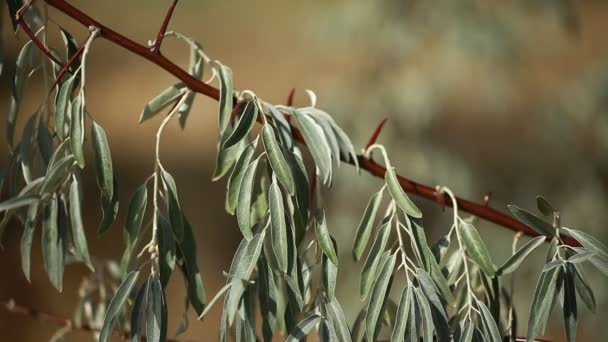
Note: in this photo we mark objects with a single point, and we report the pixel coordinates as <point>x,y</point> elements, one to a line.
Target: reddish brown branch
<point>374,137</point>
<point>14,308</point>
<point>480,210</point>
<point>163,28</point>
<point>67,65</point>
<point>35,39</point>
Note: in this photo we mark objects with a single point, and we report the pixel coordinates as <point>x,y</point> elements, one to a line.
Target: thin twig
<point>163,28</point>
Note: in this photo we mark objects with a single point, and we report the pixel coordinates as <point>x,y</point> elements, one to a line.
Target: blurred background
<point>503,96</point>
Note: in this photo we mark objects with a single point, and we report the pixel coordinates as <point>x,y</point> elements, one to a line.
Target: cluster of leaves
<point>286,267</point>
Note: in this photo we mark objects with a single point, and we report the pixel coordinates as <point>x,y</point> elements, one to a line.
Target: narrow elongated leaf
<point>489,323</point>
<point>166,250</point>
<point>430,291</point>
<point>581,256</point>
<point>242,266</point>
<point>45,141</point>
<point>544,206</point>
<point>226,156</point>
<point>569,306</point>
<point>226,96</point>
<point>154,311</point>
<point>137,313</point>
<point>282,125</point>
<point>18,202</point>
<point>195,69</point>
<point>427,315</point>
<point>103,161</point>
<point>246,122</point>
<point>346,146</point>
<point>196,289</point>
<point>28,237</point>
<point>116,304</point>
<point>330,135</point>
<point>323,237</point>
<point>52,244</point>
<point>329,276</point>
<point>365,226</point>
<point>22,69</point>
<point>236,177</point>
<point>57,174</point>
<point>317,144</point>
<point>303,328</point>
<point>27,148</point>
<point>541,226</point>
<point>520,255</point>
<point>600,262</point>
<point>175,210</point>
<point>110,209</point>
<point>584,289</point>
<point>78,234</point>
<point>135,215</point>
<point>62,107</point>
<point>71,47</point>
<point>373,258</point>
<point>588,241</point>
<point>335,313</point>
<point>77,131</point>
<point>277,160</point>
<point>377,297</point>
<point>161,101</point>
<point>278,227</point>
<point>401,318</point>
<point>243,208</point>
<point>401,198</point>
<point>542,302</point>
<point>477,249</point>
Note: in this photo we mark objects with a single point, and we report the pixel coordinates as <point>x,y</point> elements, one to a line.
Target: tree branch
<point>480,210</point>
<point>163,28</point>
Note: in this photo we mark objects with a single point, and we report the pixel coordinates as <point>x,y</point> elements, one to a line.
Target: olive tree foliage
<point>286,268</point>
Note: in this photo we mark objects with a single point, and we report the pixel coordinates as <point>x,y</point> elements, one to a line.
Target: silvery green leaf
<point>27,148</point>
<point>365,226</point>
<point>323,237</point>
<point>71,47</point>
<point>28,237</point>
<point>78,234</point>
<point>195,69</point>
<point>346,146</point>
<point>213,300</point>
<point>137,312</point>
<point>328,332</point>
<point>18,202</point>
<point>103,161</point>
<point>552,264</point>
<point>22,69</point>
<point>268,298</point>
<point>317,144</point>
<point>302,196</point>
<point>77,131</point>
<point>245,124</point>
<point>400,197</point>
<point>52,244</point>
<point>477,249</point>
<point>580,256</point>
<point>427,315</point>
<point>116,305</point>
<point>282,126</point>
<point>226,96</point>
<point>175,210</point>
<point>419,244</point>
<point>600,262</point>
<point>242,266</point>
<point>378,297</point>
<point>154,311</point>
<point>278,226</point>
<point>467,332</point>
<point>541,226</point>
<point>166,250</point>
<point>57,174</point>
<point>440,247</point>
<point>277,160</point>
<point>588,241</point>
<point>489,323</point>
<point>427,285</point>
<point>135,215</point>
<point>45,141</point>
<point>552,250</point>
<point>544,206</point>
<point>303,328</point>
<point>569,305</point>
<point>373,258</point>
<point>236,177</point>
<point>329,275</point>
<point>196,289</point>
<point>401,318</point>
<point>520,255</point>
<point>331,137</point>
<point>109,209</point>
<point>161,101</point>
<point>243,207</point>
<point>584,289</point>
<point>62,107</point>
<point>335,313</point>
<point>542,302</point>
<point>226,156</point>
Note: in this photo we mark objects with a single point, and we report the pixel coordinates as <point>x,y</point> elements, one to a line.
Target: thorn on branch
<point>163,28</point>
<point>290,97</point>
<point>486,199</point>
<point>374,137</point>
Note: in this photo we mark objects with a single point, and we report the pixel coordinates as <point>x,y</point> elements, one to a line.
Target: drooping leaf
<point>282,125</point>
<point>243,208</point>
<point>155,325</point>
<point>544,206</point>
<point>52,244</point>
<point>373,258</point>
<point>278,226</point>
<point>236,177</point>
<point>489,323</point>
<point>588,241</point>
<point>22,69</point>
<point>137,312</point>
<point>245,124</point>
<point>541,226</point>
<point>116,305</point>
<point>520,255</point>
<point>329,275</point>
<point>161,101</point>
<point>427,315</point>
<point>196,289</point>
<point>18,202</point>
<point>78,234</point>
<point>401,318</point>
<point>28,237</point>
<point>401,198</point>
<point>62,107</point>
<point>226,96</point>
<point>175,210</point>
<point>27,148</point>
<point>45,141</point>
<point>542,302</point>
<point>166,250</point>
<point>135,215</point>
<point>346,146</point>
<point>323,237</point>
<point>195,69</point>
<point>335,313</point>
<point>109,209</point>
<point>277,160</point>
<point>378,297</point>
<point>431,292</point>
<point>77,131</point>
<point>303,328</point>
<point>365,226</point>
<point>71,47</point>
<point>569,306</point>
<point>317,144</point>
<point>477,249</point>
<point>103,161</point>
<point>57,173</point>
